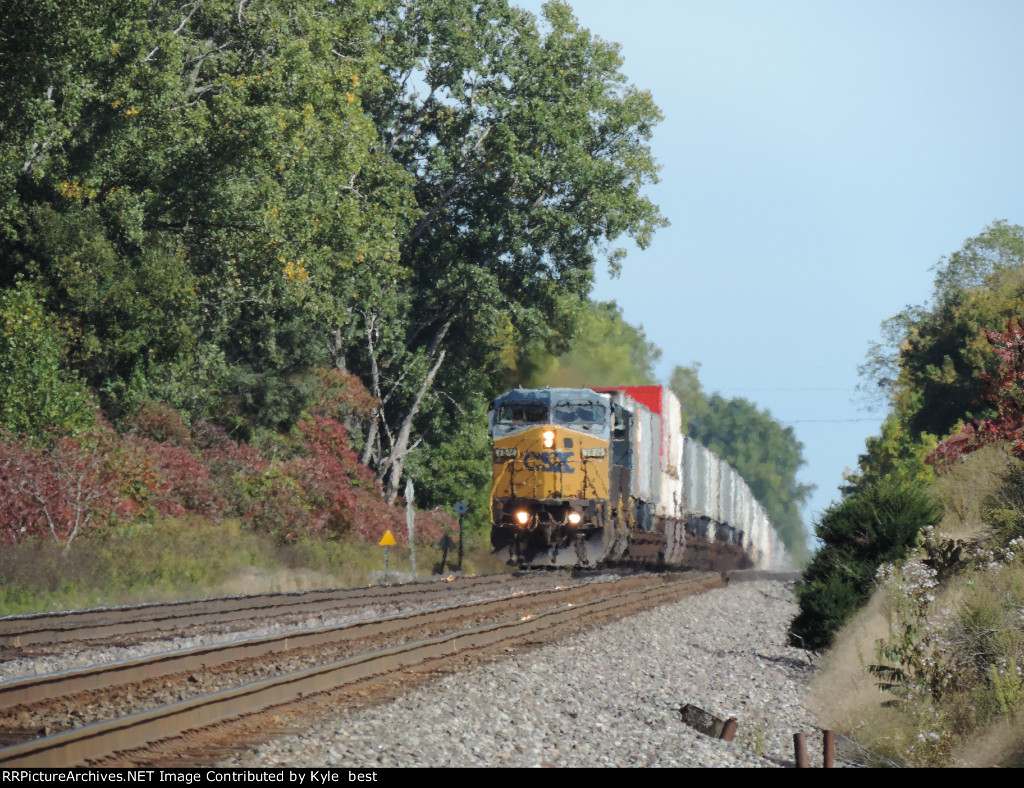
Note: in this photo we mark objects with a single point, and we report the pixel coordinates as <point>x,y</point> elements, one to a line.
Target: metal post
<point>828,748</point>
<point>410,523</point>
<point>386,550</point>
<point>444,551</point>
<point>800,750</point>
<point>460,509</point>
<point>460,542</point>
<point>729,730</point>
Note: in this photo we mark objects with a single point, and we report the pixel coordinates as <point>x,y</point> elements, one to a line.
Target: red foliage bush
<point>1004,393</point>
<point>342,394</point>
<point>433,524</point>
<point>160,423</point>
<point>169,478</point>
<point>348,497</point>
<point>61,491</point>
<point>161,468</point>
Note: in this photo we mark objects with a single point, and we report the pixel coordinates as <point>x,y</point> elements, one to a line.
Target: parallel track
<point>99,623</point>
<point>96,741</point>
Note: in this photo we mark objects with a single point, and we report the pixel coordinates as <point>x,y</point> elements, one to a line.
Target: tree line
<point>231,213</point>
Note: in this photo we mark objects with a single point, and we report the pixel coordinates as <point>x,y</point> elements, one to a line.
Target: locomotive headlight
<point>574,518</point>
<point>522,517</point>
<point>549,439</point>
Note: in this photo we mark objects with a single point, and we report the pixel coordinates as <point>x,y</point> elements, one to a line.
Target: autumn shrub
<point>166,480</point>
<point>351,498</point>
<point>233,467</point>
<point>60,491</point>
<point>343,397</point>
<point>277,505</point>
<point>307,485</point>
<point>432,525</point>
<point>160,423</point>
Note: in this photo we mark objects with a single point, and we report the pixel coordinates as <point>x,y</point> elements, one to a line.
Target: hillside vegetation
<point>917,591</point>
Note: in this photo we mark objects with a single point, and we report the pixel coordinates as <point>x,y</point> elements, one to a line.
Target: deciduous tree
<point>528,151</point>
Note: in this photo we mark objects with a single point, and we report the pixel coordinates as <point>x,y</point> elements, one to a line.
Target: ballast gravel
<point>611,696</point>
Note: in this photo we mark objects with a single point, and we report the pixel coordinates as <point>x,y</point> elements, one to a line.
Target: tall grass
<point>931,673</point>
<point>192,557</point>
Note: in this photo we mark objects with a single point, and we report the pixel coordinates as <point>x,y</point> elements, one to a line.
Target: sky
<point>818,158</point>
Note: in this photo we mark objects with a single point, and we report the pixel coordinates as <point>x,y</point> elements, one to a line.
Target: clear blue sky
<point>819,157</point>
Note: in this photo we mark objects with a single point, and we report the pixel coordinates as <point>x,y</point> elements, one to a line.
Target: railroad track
<point>417,641</point>
<point>58,629</point>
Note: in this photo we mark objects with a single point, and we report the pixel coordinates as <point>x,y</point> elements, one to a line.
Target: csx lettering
<point>550,461</point>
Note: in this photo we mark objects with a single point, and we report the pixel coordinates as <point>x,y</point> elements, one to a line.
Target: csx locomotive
<point>585,477</point>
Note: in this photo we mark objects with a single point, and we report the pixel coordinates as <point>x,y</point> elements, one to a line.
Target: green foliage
<point>37,396</point>
<point>685,382</point>
<point>894,454</point>
<point>208,205</point>
<point>932,359</point>
<point>459,469</point>
<point>878,523</point>
<point>603,350</point>
<point>528,152</point>
<point>194,193</point>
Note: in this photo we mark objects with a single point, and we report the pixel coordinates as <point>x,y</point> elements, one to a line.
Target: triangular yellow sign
<point>388,540</point>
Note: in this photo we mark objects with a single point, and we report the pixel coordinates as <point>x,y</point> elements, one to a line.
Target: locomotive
<point>587,477</point>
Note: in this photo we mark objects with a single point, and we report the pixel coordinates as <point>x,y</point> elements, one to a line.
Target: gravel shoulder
<point>607,697</point>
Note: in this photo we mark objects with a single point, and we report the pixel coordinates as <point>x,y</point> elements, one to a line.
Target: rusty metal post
<point>445,540</point>
<point>729,730</point>
<point>800,750</point>
<point>828,748</point>
<point>460,509</point>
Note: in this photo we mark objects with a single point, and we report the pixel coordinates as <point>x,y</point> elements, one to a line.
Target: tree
<point>1004,398</point>
<point>877,523</point>
<point>930,360</point>
<point>935,358</point>
<point>195,191</point>
<point>37,398</point>
<point>604,350</point>
<point>529,154</point>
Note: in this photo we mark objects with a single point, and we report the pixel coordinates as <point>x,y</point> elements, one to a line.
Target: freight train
<point>604,476</point>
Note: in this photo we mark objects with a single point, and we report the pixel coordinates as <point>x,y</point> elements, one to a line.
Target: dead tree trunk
<point>400,446</point>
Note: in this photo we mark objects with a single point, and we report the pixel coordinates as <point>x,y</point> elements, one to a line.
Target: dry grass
<point>1000,745</point>
<point>971,602</point>
<point>965,487</point>
<point>843,693</point>
<point>191,558</point>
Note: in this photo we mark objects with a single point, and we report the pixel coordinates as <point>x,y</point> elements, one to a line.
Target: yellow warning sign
<point>388,540</point>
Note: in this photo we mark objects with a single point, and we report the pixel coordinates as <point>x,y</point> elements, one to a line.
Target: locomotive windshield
<point>580,413</point>
<point>522,412</point>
